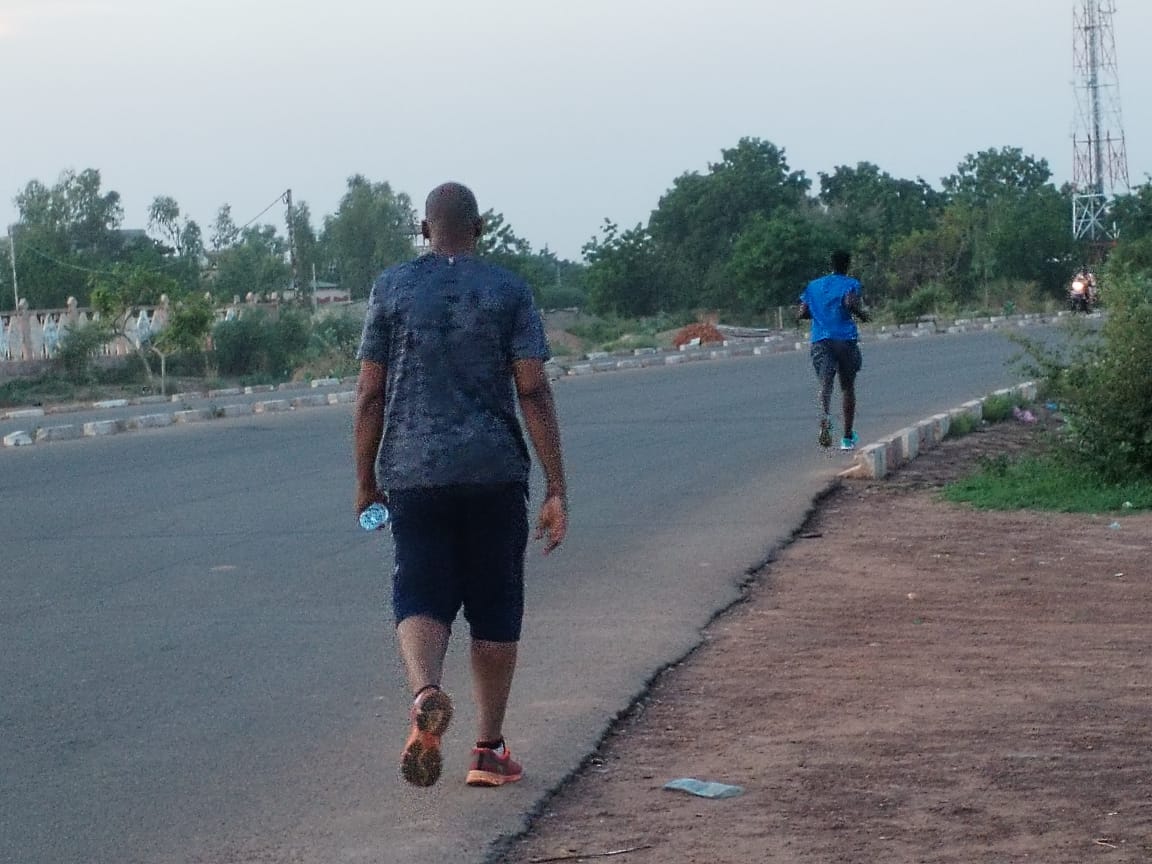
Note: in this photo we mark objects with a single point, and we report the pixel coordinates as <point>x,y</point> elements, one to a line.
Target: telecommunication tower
<point>1100,158</point>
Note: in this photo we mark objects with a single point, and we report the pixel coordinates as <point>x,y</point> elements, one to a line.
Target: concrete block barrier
<point>226,391</point>
<point>581,369</point>
<point>325,382</point>
<point>258,388</point>
<point>59,433</point>
<point>150,421</point>
<point>100,428</point>
<point>344,397</point>
<point>237,410</point>
<point>673,359</point>
<point>18,439</point>
<point>111,403</point>
<point>24,413</point>
<point>194,415</point>
<point>270,406</point>
<point>309,401</point>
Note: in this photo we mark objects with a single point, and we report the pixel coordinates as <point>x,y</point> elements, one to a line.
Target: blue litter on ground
<point>704,788</point>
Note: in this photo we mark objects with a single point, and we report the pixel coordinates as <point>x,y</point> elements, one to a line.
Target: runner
<point>448,340</point>
<point>831,302</point>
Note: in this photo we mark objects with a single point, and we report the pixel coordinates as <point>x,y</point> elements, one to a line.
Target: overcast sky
<point>557,112</point>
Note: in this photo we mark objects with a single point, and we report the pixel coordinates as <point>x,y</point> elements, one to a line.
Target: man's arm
<point>539,410</point>
<point>855,305</point>
<point>803,312</point>
<point>368,429</point>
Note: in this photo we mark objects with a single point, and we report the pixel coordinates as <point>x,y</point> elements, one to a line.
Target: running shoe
<point>421,763</point>
<point>490,768</point>
<point>850,442</point>
<point>825,438</point>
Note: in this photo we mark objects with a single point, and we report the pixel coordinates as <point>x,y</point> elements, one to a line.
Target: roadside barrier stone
<point>150,421</point>
<point>100,428</point>
<point>18,439</point>
<point>59,433</point>
<point>194,415</point>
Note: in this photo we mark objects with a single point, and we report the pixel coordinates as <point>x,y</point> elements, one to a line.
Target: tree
<point>700,217</point>
<point>224,234</point>
<point>118,294</point>
<point>180,240</point>
<point>256,264</point>
<point>189,322</point>
<point>871,211</point>
<point>773,258</point>
<point>373,228</point>
<point>64,232</point>
<point>1015,220</point>
<point>623,272</point>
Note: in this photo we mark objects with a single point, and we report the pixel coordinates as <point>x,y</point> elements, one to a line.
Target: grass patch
<point>997,409</point>
<point>961,425</point>
<point>1047,483</point>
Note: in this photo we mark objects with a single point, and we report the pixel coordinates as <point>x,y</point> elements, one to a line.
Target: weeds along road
<point>197,650</point>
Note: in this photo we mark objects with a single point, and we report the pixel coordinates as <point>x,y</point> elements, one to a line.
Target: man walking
<point>450,344</point>
<point>831,302</point>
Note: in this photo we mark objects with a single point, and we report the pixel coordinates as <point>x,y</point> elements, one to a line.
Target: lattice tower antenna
<point>1100,158</point>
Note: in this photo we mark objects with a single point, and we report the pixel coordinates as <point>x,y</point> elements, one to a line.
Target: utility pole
<point>12,258</point>
<point>292,243</point>
<point>315,303</point>
<point>1100,159</point>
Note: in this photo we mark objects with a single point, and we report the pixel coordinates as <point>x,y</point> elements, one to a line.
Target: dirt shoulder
<point>913,681</point>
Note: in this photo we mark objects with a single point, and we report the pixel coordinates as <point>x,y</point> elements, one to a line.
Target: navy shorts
<point>461,547</point>
<point>832,357</point>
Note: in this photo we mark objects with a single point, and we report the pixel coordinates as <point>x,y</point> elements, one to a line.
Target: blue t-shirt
<point>831,318</point>
<point>448,331</point>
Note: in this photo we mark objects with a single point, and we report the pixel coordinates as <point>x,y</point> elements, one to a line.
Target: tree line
<point>742,237</point>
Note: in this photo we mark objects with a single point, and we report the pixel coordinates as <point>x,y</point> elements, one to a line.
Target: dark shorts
<point>832,357</point>
<point>462,547</point>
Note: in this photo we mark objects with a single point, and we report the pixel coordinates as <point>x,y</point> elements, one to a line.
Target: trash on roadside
<point>1024,416</point>
<point>704,788</point>
<point>1114,525</point>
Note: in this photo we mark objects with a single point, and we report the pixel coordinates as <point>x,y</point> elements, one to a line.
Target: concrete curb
<point>600,362</point>
<point>73,407</point>
<point>881,458</point>
<point>102,428</point>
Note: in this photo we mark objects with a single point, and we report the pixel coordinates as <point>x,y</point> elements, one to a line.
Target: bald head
<point>451,216</point>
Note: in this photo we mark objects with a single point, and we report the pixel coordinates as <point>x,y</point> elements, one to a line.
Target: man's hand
<point>367,496</point>
<point>553,522</point>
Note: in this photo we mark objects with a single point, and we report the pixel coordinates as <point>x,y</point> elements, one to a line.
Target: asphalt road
<point>197,659</point>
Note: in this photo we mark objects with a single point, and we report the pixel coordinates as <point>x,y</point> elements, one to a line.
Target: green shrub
<point>1104,384</point>
<point>79,346</point>
<point>961,425</point>
<point>927,300</point>
<point>256,344</point>
<point>997,409</point>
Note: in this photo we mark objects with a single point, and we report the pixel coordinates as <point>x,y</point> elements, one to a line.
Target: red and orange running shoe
<point>490,768</point>
<point>421,763</point>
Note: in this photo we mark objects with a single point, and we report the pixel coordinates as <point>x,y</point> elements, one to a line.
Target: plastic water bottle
<point>374,517</point>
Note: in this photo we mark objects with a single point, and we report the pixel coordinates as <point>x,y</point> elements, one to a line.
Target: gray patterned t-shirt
<point>448,330</point>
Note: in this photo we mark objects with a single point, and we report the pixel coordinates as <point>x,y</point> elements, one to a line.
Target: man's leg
<point>423,644</point>
<point>849,399</point>
<point>494,607</point>
<point>425,599</point>
<point>493,665</point>
<point>825,365</point>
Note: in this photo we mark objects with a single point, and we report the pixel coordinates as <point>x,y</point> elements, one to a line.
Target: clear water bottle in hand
<point>374,517</point>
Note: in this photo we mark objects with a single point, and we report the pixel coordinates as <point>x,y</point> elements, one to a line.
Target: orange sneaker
<point>490,768</point>
<point>420,763</point>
